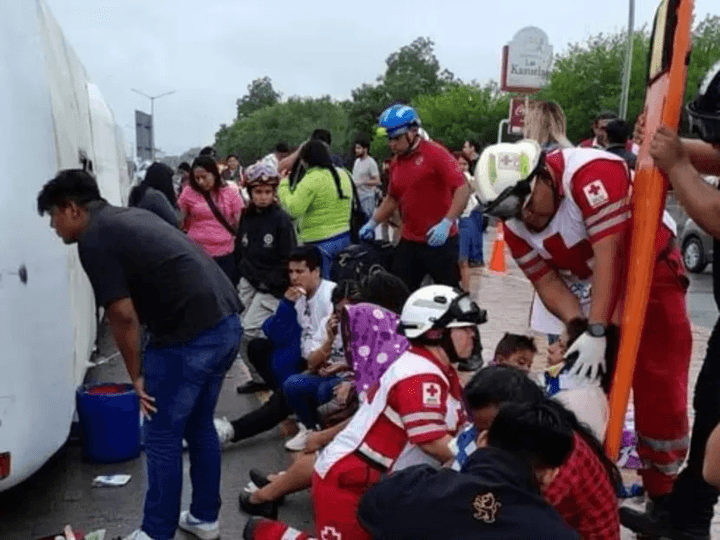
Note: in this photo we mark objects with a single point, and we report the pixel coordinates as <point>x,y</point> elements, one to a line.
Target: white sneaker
<point>201,529</point>
<point>299,441</point>
<point>224,430</point>
<point>138,535</point>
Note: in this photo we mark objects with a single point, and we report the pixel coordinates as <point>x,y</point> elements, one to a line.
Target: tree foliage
<point>412,71</point>
<point>291,121</point>
<point>586,80</point>
<point>260,94</point>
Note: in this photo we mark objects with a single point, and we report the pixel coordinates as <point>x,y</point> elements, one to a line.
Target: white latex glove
<point>590,362</point>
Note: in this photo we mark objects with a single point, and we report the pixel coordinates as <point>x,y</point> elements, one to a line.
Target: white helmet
<point>437,307</point>
<point>503,174</point>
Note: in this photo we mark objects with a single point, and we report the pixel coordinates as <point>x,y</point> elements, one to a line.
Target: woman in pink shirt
<point>212,229</point>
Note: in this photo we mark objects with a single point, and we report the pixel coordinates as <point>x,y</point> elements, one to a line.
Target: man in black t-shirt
<point>144,271</point>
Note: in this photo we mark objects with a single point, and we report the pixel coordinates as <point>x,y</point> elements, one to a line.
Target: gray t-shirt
<point>363,170</point>
<point>178,291</point>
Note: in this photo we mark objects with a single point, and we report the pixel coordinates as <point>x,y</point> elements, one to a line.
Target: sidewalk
<point>507,300</point>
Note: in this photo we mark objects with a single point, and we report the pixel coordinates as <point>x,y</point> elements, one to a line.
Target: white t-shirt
<point>363,170</point>
<point>312,312</point>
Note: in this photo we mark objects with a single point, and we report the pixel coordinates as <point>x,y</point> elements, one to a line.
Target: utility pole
<point>625,91</point>
<point>152,117</point>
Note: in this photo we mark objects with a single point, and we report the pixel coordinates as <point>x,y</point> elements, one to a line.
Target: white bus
<point>52,117</point>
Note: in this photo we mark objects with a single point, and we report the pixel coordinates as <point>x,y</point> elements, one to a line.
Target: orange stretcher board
<point>667,74</point>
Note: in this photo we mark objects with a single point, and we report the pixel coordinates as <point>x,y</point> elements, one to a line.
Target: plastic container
<point>109,417</point>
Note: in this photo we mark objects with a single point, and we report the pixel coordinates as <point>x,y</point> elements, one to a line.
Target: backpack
<point>357,260</point>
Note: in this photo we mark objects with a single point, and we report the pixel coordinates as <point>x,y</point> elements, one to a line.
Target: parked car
<point>697,247</point>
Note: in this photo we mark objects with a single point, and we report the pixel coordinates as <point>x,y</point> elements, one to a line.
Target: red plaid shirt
<point>584,496</point>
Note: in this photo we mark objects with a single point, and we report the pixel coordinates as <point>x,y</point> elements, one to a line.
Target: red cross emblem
<point>574,259</point>
<point>594,189</point>
<point>431,394</point>
<point>330,533</point>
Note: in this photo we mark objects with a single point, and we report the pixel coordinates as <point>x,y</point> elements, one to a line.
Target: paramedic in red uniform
<point>567,217</point>
<point>429,188</point>
<point>409,418</point>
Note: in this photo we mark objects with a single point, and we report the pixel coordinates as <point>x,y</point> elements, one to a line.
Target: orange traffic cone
<point>497,261</point>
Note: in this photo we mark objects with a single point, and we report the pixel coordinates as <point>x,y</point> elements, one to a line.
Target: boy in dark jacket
<point>266,236</point>
<point>498,494</point>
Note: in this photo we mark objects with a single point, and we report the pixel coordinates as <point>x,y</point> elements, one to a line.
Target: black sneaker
<point>258,478</point>
<point>252,387</point>
<point>266,509</point>
<point>655,522</point>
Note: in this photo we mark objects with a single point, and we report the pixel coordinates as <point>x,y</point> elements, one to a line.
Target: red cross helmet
<point>504,174</point>
<point>438,307</point>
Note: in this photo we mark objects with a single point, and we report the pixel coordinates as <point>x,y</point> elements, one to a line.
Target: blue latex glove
<point>439,234</point>
<point>367,232</point>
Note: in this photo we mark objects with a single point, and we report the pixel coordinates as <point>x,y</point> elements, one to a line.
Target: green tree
<point>464,111</point>
<point>586,78</point>
<point>260,94</point>
<point>411,71</point>
<point>292,121</point>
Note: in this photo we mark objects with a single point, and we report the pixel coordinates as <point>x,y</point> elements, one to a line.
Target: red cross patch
<point>431,394</point>
<point>596,193</point>
<point>330,533</point>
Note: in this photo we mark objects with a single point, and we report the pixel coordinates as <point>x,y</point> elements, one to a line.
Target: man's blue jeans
<point>305,392</point>
<point>185,381</point>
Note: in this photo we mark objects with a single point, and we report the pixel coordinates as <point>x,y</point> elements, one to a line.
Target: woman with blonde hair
<point>545,123</point>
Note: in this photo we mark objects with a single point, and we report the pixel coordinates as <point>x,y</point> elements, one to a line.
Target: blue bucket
<point>109,417</point>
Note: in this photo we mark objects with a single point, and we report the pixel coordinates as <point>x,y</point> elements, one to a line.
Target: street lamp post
<point>625,96</point>
<point>152,117</point>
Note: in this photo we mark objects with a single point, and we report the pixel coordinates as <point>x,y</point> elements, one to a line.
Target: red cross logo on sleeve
<point>594,189</point>
<point>431,394</point>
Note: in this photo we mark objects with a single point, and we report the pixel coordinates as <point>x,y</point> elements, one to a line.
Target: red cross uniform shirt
<point>410,406</point>
<point>583,495</point>
<point>594,189</point>
<point>423,184</point>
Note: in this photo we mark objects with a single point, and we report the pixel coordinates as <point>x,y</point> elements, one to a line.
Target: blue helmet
<point>398,119</point>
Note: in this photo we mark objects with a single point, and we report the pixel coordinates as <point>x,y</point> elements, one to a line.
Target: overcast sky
<point>210,50</point>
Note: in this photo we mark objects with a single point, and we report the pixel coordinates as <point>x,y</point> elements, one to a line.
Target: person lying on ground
<point>584,490</point>
<point>498,494</point>
<point>408,419</point>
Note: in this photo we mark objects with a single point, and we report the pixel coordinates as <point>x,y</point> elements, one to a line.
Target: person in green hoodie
<point>320,202</point>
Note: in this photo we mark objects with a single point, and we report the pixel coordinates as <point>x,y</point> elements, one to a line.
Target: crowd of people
<point>217,263</point>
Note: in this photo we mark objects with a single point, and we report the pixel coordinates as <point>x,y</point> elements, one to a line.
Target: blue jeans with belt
<point>185,381</point>
<point>331,247</point>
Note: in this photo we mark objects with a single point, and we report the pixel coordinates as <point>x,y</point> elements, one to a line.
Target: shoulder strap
<point>218,214</point>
